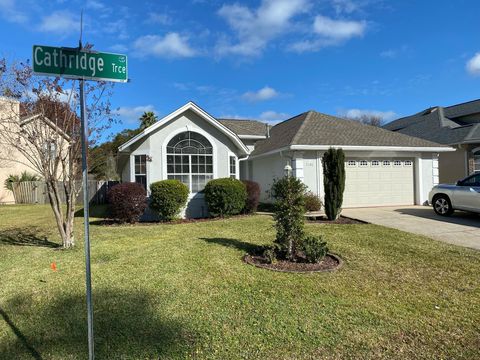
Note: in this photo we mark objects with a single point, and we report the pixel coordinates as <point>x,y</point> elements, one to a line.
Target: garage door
<point>377,182</point>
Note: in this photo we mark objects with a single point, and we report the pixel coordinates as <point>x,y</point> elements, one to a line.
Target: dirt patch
<point>342,220</point>
<point>331,262</point>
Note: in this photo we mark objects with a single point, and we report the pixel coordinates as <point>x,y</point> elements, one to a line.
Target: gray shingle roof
<point>443,125</point>
<point>313,128</point>
<point>245,127</point>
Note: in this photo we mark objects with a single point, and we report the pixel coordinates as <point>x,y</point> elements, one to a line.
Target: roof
<point>316,129</point>
<point>243,127</point>
<point>190,106</point>
<point>455,124</point>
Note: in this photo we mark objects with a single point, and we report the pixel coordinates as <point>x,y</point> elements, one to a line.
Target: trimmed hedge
<point>312,202</point>
<point>225,197</point>
<point>127,202</point>
<point>168,197</point>
<point>253,196</point>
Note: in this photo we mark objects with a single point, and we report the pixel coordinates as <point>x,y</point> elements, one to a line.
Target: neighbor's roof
<point>245,127</point>
<point>455,124</point>
<point>316,129</point>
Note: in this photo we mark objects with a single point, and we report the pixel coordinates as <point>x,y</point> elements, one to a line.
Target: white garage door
<point>377,182</point>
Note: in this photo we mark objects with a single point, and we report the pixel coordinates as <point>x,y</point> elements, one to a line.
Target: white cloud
<point>265,93</point>
<point>345,6</point>
<point>60,22</point>
<point>130,115</point>
<point>330,32</point>
<point>10,13</point>
<point>273,116</point>
<point>172,45</point>
<point>255,28</point>
<point>159,18</point>
<point>95,5</point>
<point>357,113</point>
<point>394,53</point>
<point>473,65</point>
<point>118,48</point>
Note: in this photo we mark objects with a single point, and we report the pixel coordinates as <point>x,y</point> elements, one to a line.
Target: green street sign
<point>74,64</point>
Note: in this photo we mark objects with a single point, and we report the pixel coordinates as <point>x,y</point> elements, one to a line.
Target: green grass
<point>182,291</point>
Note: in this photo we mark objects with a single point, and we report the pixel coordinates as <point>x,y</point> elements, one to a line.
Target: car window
<point>472,181</point>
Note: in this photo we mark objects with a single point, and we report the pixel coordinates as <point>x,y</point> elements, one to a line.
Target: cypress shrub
<point>127,202</point>
<point>334,181</point>
<point>168,197</point>
<point>225,197</point>
<point>253,196</point>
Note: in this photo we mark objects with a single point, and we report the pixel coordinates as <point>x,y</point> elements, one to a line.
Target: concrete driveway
<point>460,229</point>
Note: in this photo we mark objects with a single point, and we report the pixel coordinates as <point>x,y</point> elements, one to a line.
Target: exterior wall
<point>8,109</point>
<point>265,169</point>
<point>154,145</point>
<point>453,166</point>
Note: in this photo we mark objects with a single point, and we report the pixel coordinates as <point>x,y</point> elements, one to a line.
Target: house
<point>13,120</point>
<point>457,126</point>
<point>382,167</point>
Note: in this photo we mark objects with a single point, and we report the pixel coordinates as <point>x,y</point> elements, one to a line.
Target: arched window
<point>190,160</point>
<point>476,160</point>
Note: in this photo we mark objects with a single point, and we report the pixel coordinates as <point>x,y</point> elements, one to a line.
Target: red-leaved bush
<point>253,196</point>
<point>127,202</point>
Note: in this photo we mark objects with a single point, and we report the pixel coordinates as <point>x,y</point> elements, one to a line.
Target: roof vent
<point>267,130</point>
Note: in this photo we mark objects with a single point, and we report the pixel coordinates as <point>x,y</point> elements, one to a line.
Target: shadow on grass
<point>30,236</point>
<point>96,211</point>
<point>126,325</point>
<point>234,243</point>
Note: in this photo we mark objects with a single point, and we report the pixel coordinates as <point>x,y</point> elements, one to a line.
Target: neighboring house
<point>457,126</point>
<point>12,162</point>
<point>382,167</point>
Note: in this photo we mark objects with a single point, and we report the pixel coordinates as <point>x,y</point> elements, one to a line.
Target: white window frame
<point>230,174</point>
<point>140,174</point>
<point>363,163</point>
<point>476,164</point>
<point>397,163</point>
<point>351,163</point>
<point>408,163</point>
<point>386,163</point>
<point>375,163</point>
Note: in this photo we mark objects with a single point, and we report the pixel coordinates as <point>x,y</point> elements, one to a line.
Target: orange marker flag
<point>53,266</point>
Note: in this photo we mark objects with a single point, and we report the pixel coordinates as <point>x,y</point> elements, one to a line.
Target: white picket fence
<point>35,192</point>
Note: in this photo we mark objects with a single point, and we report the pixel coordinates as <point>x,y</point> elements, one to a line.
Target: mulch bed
<point>111,222</point>
<point>342,220</point>
<point>331,262</point>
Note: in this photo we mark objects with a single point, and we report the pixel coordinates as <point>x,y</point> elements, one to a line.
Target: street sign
<point>79,64</point>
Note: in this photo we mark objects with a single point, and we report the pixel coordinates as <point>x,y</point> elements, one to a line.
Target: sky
<point>267,59</point>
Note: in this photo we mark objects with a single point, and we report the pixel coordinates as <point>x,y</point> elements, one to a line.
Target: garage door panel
<point>379,185</point>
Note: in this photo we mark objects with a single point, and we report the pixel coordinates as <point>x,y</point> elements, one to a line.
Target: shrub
<point>288,193</point>
<point>314,248</point>
<point>312,202</point>
<point>168,197</point>
<point>225,197</point>
<point>25,176</point>
<point>127,202</point>
<point>334,181</point>
<point>253,196</point>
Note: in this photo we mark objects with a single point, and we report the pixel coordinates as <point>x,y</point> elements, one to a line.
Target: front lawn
<point>182,291</point>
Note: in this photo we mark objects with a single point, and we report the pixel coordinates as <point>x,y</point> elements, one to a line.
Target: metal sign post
<point>82,65</point>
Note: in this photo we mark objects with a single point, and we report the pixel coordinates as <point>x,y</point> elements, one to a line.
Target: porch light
<point>288,170</point>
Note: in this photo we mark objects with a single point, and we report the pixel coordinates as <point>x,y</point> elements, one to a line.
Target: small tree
<point>41,129</point>
<point>147,119</point>
<point>288,193</point>
<point>334,181</point>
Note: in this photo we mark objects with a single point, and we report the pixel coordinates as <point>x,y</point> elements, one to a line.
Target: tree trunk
<point>64,225</point>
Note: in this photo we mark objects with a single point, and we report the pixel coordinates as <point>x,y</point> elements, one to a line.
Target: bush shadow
<point>96,211</point>
<point>234,243</point>
<point>30,236</point>
<point>126,325</point>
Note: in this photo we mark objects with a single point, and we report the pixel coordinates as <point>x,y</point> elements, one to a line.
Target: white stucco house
<point>382,167</point>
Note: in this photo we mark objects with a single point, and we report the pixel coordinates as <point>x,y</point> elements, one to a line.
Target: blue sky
<point>268,59</point>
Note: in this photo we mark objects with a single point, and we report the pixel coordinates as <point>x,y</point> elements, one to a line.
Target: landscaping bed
<point>342,220</point>
<point>331,262</point>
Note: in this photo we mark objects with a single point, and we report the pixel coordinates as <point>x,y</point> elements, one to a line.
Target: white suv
<point>465,195</point>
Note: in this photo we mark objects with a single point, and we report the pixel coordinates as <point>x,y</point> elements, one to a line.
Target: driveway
<point>460,229</point>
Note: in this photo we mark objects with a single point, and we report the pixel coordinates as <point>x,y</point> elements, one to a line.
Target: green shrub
<point>269,253</point>
<point>25,176</point>
<point>253,196</point>
<point>288,193</point>
<point>334,181</point>
<point>314,248</point>
<point>168,197</point>
<point>312,202</point>
<point>225,197</point>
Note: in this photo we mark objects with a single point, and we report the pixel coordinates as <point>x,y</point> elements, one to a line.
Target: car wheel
<point>442,205</point>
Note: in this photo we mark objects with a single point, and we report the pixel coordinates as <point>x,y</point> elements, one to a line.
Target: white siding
<point>266,169</point>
